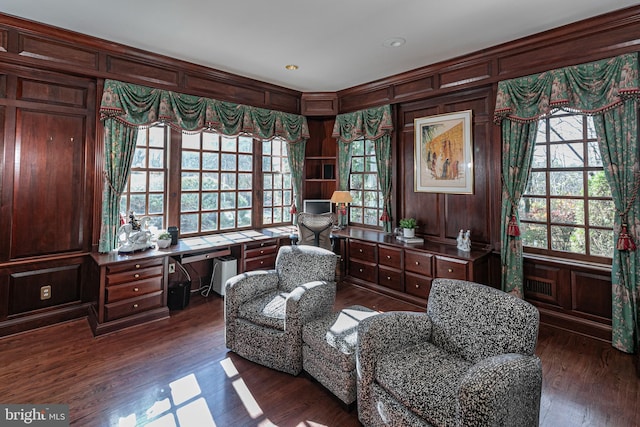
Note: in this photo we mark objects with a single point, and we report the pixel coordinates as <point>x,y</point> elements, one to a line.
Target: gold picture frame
<point>443,158</point>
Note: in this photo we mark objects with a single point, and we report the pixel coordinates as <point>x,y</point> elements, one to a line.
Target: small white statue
<point>135,235</point>
<point>464,240</point>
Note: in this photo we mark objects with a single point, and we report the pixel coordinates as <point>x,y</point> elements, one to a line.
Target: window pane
<point>228,181</point>
<point>245,162</point>
<point>356,215</point>
<point>156,181</point>
<point>227,200</point>
<point>244,199</point>
<point>370,217</point>
<point>190,160</point>
<point>245,181</point>
<point>210,201</point>
<point>267,215</point>
<point>244,218</point>
<point>138,182</point>
<point>357,164</point>
<point>537,184</point>
<point>138,204</point>
<point>601,213</point>
<point>533,209</point>
<point>190,141</point>
<point>539,157</point>
<point>567,239</point>
<point>228,162</point>
<point>227,220</point>
<point>534,235</point>
<point>156,204</point>
<point>567,211</point>
<point>245,144</point>
<point>566,155</point>
<point>209,221</point>
<point>229,144</point>
<point>210,141</point>
<point>189,202</point>
<point>565,128</point>
<point>595,159</point>
<point>601,242</point>
<point>139,158</point>
<point>541,134</point>
<point>188,223</point>
<point>156,159</point>
<point>210,161</point>
<point>157,135</point>
<point>566,183</point>
<point>210,181</point>
<point>190,181</point>
<point>598,185</point>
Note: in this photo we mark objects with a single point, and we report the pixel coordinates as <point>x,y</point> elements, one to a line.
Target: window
<point>144,193</point>
<point>276,178</point>
<point>215,182</point>
<point>213,187</point>
<point>366,208</point>
<point>567,206</point>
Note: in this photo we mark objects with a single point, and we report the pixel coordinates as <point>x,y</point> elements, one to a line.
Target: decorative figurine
<point>135,235</point>
<point>464,241</point>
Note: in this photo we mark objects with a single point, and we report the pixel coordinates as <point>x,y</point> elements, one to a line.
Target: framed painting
<point>444,153</point>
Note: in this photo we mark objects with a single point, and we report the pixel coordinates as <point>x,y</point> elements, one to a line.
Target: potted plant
<point>164,240</point>
<point>408,226</point>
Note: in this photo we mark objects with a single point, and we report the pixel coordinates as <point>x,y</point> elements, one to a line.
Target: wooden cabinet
<point>260,255</point>
<point>378,261</point>
<point>131,292</point>
<point>320,163</point>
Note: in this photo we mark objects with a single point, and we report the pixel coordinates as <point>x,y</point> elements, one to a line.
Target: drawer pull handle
<point>137,265</point>
<point>360,250</point>
<point>417,286</point>
<point>388,256</point>
<point>417,262</point>
<point>261,262</point>
<point>261,244</point>
<point>206,256</point>
<point>388,277</point>
<point>450,270</point>
<point>135,289</point>
<point>261,251</point>
<point>360,270</point>
<point>136,275</point>
<point>135,305</point>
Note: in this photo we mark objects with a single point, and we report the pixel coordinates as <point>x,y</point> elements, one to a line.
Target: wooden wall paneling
<point>49,184</point>
<point>36,47</point>
<point>138,70</point>
<point>319,104</point>
<point>591,294</point>
<point>51,93</point>
<point>465,73</point>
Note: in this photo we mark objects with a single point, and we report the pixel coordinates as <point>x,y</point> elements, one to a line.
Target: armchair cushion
<point>267,309</point>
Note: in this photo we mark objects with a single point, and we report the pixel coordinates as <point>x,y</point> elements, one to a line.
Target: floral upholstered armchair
<point>468,361</point>
<point>266,309</point>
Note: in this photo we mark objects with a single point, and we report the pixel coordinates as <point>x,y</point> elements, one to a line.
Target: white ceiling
<point>337,44</point>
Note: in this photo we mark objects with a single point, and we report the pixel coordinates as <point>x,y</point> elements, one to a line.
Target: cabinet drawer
<point>418,262</point>
<point>133,289</point>
<point>391,279</point>
<point>260,263</point>
<point>133,275</point>
<point>417,285</point>
<point>362,271</point>
<point>451,268</point>
<point>391,257</point>
<point>258,252</point>
<point>260,244</point>
<point>131,306</point>
<point>363,251</point>
<point>130,266</point>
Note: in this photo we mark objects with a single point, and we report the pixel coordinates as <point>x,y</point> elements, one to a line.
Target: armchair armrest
<point>502,390</point>
<point>238,290</point>
<point>378,335</point>
<point>308,302</point>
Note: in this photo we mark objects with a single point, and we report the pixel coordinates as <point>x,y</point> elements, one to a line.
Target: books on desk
<point>410,239</point>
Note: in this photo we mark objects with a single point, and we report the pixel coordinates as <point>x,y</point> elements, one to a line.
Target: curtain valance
<point>371,123</point>
<point>590,88</point>
<point>136,106</point>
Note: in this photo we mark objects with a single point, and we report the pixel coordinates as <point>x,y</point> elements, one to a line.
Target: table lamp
<point>341,199</point>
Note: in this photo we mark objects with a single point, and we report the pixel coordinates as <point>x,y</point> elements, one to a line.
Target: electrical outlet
<point>172,267</point>
<point>45,292</point>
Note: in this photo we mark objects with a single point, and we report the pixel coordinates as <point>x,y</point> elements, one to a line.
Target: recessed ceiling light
<point>394,42</point>
<point>291,67</point>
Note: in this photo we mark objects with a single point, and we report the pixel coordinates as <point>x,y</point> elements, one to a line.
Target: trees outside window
<point>217,179</point>
<point>366,208</point>
<point>567,208</point>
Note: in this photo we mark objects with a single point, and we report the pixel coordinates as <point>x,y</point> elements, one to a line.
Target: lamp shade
<point>341,197</point>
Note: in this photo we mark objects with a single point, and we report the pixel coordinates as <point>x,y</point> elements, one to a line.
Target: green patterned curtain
<point>295,153</point>
<point>120,144</point>
<point>608,90</point>
<point>129,105</point>
<point>376,125</point>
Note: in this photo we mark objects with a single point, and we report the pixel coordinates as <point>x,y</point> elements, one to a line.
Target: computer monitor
<point>317,206</point>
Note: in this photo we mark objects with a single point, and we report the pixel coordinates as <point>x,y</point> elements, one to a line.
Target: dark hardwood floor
<point>177,372</point>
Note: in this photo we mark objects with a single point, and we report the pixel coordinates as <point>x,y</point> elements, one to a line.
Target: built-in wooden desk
<point>379,261</point>
<point>133,287</point>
